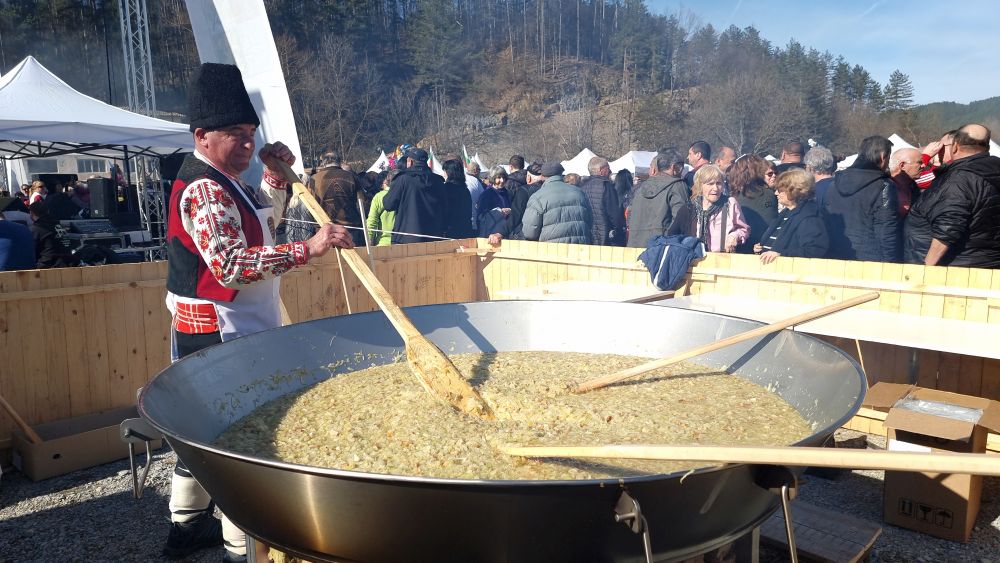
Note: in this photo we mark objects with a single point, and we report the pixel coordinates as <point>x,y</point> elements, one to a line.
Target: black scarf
<point>704,216</point>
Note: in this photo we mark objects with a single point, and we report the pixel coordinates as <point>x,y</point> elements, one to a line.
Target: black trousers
<point>191,343</point>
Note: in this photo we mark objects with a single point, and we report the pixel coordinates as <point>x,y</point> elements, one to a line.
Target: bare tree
<point>751,113</point>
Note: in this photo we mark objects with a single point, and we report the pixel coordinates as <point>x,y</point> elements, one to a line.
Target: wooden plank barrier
<point>78,341</point>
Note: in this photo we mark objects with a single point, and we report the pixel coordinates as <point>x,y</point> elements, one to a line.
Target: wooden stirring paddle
<point>937,462</point>
<point>435,372</point>
<point>605,380</point>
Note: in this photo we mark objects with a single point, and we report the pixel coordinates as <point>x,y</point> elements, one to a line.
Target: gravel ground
<point>91,515</point>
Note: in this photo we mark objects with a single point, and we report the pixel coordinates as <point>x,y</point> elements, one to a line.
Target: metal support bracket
<point>628,512</point>
<point>137,431</point>
<point>782,482</point>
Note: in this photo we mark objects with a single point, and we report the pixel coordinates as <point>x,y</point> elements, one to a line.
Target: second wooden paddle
<point>604,381</point>
<point>33,436</point>
<point>936,462</point>
<point>433,369</point>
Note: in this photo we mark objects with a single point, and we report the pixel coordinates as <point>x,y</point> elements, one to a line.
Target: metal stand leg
<point>786,509</point>
<point>137,431</point>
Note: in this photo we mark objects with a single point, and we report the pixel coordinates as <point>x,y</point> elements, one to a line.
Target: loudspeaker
<point>171,165</point>
<point>103,198</point>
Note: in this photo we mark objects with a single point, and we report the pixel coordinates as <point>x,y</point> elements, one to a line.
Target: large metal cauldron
<point>326,514</point>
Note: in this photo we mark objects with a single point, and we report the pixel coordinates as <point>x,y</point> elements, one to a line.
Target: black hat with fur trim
<point>217,98</point>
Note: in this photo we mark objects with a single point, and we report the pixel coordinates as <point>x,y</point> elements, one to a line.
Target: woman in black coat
<point>799,229</point>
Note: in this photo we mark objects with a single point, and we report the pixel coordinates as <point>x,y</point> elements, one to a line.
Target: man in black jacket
<point>517,176</point>
<point>956,221</point>
<point>861,208</point>
<point>609,215</point>
<point>419,198</point>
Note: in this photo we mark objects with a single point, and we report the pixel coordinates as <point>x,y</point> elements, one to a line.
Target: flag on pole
<point>435,164</point>
<point>465,154</point>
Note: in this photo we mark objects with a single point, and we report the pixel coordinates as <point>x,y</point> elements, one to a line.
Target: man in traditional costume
<point>222,279</point>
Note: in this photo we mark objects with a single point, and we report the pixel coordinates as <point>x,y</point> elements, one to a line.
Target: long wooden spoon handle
<point>354,260</point>
<point>937,462</point>
<point>429,364</point>
<point>28,431</point>
<point>604,381</point>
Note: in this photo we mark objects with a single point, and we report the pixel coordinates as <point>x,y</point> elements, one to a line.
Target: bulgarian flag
<point>435,165</point>
<point>465,154</point>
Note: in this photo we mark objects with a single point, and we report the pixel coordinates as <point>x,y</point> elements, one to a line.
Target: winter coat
<point>516,180</point>
<point>760,208</point>
<point>337,191</point>
<point>491,199</point>
<point>961,209</point>
<point>609,216</point>
<point>798,232</point>
<point>458,224</point>
<point>49,249</point>
<point>380,221</point>
<point>862,216</point>
<point>518,204</point>
<point>420,200</point>
<point>654,205</point>
<point>669,258</point>
<point>724,223</point>
<point>17,249</point>
<point>558,212</point>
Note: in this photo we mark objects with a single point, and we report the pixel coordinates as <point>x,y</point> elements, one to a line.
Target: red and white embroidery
<point>212,219</point>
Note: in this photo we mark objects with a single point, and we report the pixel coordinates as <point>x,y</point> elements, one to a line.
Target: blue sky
<point>950,50</point>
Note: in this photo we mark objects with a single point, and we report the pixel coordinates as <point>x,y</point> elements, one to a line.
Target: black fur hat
<point>217,98</point>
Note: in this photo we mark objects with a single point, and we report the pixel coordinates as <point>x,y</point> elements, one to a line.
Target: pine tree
<point>898,92</point>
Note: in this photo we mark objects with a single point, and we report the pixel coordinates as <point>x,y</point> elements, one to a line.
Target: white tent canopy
<point>636,162</point>
<point>899,143</point>
<point>40,115</point>
<point>578,164</point>
<point>994,148</point>
<point>381,164</point>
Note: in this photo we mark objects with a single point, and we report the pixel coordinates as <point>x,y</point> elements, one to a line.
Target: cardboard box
<point>72,444</point>
<point>941,505</point>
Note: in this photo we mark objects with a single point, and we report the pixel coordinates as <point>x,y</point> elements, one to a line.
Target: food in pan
<point>380,420</point>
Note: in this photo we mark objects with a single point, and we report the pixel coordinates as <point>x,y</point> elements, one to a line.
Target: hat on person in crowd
<point>552,169</point>
<point>419,155</point>
<point>217,98</point>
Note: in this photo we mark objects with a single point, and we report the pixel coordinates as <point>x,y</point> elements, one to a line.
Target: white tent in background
<point>482,167</point>
<point>847,162</point>
<point>40,115</point>
<point>994,148</point>
<point>772,158</point>
<point>578,164</point>
<point>636,162</point>
<point>899,143</point>
<point>381,164</point>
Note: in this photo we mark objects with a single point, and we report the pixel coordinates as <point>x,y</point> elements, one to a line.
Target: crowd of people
<point>936,205</point>
<point>28,219</point>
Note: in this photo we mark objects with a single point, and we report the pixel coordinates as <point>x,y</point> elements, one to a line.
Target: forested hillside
<point>540,77</point>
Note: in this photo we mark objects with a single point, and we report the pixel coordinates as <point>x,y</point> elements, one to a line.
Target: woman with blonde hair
<point>38,192</point>
<point>799,229</point>
<point>715,220</point>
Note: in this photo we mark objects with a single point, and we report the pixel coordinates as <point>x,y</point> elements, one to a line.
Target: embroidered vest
<point>187,274</point>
